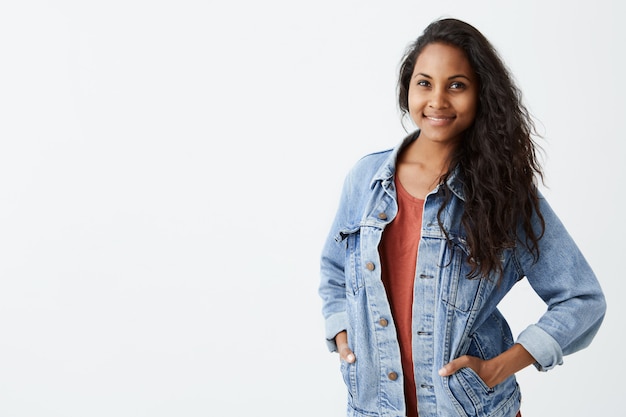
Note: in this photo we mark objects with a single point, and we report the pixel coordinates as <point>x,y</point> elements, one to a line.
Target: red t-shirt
<point>398,252</point>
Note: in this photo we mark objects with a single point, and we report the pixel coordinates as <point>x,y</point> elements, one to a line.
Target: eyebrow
<point>449,78</point>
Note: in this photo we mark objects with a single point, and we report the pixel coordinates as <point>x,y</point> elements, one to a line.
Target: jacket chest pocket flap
<point>351,239</point>
<point>457,290</point>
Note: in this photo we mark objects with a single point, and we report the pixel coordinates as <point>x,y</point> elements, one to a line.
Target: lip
<point>439,119</point>
<point>439,116</point>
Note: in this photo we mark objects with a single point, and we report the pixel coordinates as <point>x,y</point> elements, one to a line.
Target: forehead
<point>438,58</point>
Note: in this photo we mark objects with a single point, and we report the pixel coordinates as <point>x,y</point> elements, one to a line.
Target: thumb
<point>452,367</point>
<point>346,354</point>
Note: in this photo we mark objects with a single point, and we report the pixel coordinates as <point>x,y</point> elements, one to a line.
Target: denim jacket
<point>452,315</point>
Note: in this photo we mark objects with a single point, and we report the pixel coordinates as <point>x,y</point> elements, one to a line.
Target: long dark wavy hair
<point>497,156</point>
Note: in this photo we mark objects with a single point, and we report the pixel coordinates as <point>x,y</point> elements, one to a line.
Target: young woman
<point>430,236</point>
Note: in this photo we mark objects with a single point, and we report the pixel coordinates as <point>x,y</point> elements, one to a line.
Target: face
<point>443,93</point>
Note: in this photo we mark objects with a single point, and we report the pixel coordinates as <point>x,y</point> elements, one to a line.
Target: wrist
<point>508,363</point>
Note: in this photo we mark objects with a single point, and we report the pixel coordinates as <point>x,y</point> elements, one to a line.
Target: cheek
<point>415,112</point>
<point>473,106</point>
<point>469,109</point>
<point>415,106</point>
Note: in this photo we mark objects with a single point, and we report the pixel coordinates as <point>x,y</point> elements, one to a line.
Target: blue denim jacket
<point>452,315</point>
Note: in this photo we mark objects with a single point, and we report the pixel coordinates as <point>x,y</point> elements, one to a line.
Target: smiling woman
<point>430,236</point>
<point>442,101</point>
<point>169,172</point>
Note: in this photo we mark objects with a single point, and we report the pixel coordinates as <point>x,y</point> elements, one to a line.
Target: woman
<point>430,236</point>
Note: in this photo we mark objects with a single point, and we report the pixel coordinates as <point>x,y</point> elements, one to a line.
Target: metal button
<point>383,322</point>
<point>382,216</point>
<point>392,376</point>
<point>369,266</point>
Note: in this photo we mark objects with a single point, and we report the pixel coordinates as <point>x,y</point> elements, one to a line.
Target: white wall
<point>169,169</point>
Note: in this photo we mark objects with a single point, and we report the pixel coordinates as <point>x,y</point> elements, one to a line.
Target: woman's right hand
<point>342,347</point>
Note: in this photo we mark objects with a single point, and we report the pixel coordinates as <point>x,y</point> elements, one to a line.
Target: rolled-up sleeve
<point>546,351</point>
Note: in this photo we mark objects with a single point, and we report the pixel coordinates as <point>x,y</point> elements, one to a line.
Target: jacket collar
<point>387,170</point>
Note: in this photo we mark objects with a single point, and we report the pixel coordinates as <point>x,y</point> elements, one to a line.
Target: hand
<point>342,347</point>
<point>495,370</point>
<point>487,373</point>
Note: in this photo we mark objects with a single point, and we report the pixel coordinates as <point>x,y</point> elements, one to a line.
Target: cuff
<point>546,351</point>
<point>334,324</point>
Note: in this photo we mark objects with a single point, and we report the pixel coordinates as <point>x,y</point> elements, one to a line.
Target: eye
<point>457,85</point>
<point>423,83</point>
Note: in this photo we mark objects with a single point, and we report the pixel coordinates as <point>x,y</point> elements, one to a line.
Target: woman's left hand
<point>492,371</point>
<point>483,369</point>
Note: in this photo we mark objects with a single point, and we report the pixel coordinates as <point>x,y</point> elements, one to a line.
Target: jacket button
<point>383,322</point>
<point>369,266</point>
<point>382,216</point>
<point>392,376</point>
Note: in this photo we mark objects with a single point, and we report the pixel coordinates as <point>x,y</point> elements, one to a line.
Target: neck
<point>421,165</point>
<point>434,157</point>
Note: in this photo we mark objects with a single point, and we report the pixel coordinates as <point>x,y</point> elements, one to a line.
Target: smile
<point>439,118</point>
<point>440,121</point>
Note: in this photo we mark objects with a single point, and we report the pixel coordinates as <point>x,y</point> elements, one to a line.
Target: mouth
<point>439,118</point>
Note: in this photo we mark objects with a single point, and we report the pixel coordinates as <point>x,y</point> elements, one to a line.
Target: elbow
<point>595,311</point>
<point>601,309</point>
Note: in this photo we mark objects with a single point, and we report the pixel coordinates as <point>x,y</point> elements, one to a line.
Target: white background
<point>169,170</point>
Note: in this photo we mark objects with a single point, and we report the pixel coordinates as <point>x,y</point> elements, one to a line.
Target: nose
<point>438,99</point>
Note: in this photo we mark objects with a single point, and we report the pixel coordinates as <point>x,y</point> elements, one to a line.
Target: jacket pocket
<point>468,388</point>
<point>358,401</point>
<point>354,275</point>
<point>347,373</point>
<point>457,290</point>
<point>471,393</point>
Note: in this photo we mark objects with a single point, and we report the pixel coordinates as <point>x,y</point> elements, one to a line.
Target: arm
<point>566,283</point>
<point>332,287</point>
<point>576,308</point>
